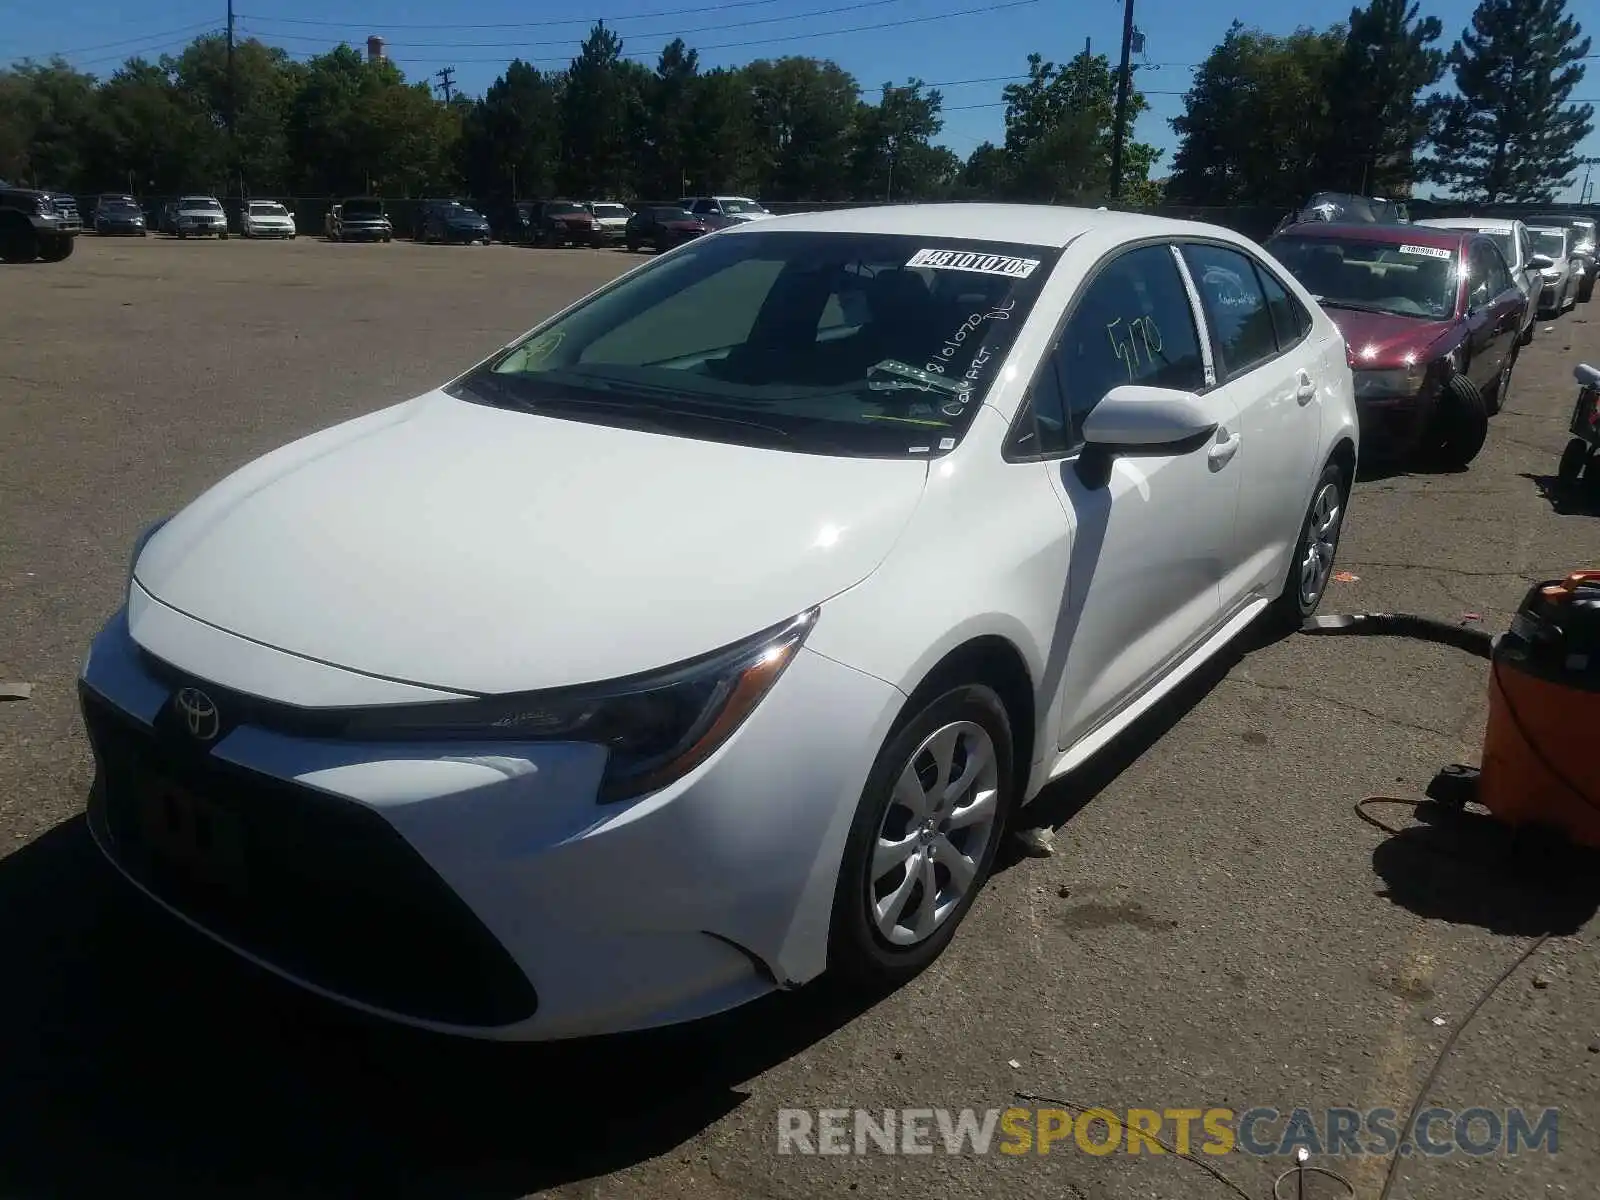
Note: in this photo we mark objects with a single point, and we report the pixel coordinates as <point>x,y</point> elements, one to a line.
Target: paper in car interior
<point>1426,251</point>
<point>969,260</point>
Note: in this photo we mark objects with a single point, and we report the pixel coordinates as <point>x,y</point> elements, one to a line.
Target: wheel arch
<point>995,662</point>
<point>1343,456</point>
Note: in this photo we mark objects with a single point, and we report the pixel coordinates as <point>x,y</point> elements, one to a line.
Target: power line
<point>793,37</point>
<point>665,33</point>
<point>149,37</point>
<point>380,23</point>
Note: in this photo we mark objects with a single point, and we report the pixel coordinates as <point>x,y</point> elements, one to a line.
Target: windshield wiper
<point>1354,307</point>
<point>505,396</point>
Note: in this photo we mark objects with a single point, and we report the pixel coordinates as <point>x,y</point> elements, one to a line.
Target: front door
<point>1258,332</point>
<point>1489,315</point>
<point>1151,546</point>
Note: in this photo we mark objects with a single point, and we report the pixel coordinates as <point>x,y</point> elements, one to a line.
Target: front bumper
<point>271,231</point>
<point>201,228</point>
<point>117,228</point>
<point>1392,427</point>
<point>466,233</point>
<point>364,233</point>
<point>479,888</point>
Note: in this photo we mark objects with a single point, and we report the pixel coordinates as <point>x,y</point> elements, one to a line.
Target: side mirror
<point>1540,261</point>
<point>1132,420</point>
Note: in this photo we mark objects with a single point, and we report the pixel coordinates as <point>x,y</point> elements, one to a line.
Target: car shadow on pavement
<point>1065,798</point>
<point>1576,499</point>
<point>144,1060</point>
<point>1459,866</point>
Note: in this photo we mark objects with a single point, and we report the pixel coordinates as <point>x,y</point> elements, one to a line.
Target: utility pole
<point>1583,192</point>
<point>1119,128</point>
<point>447,77</point>
<point>233,92</point>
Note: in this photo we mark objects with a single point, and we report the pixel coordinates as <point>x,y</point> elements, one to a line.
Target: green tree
<point>265,82</point>
<point>893,157</point>
<point>668,117</point>
<point>1379,120</point>
<point>1059,131</point>
<point>803,111</point>
<point>57,111</point>
<point>719,151</point>
<point>511,139</point>
<point>1256,119</point>
<point>601,112</point>
<point>1510,133</point>
<point>156,135</point>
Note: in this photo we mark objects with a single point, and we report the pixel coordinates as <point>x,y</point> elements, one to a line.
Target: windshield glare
<point>199,202</point>
<point>610,210</point>
<point>1403,279</point>
<point>565,209</point>
<point>269,210</point>
<point>741,206</point>
<point>1551,242</point>
<point>853,344</point>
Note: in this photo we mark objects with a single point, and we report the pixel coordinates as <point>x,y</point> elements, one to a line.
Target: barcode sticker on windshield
<point>1426,251</point>
<point>981,264</point>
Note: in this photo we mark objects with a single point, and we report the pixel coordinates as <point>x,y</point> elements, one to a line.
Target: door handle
<point>1305,390</point>
<point>1226,447</point>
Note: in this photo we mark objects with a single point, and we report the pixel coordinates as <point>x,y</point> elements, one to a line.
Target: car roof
<point>1472,222</point>
<point>1044,225</point>
<point>1390,235</point>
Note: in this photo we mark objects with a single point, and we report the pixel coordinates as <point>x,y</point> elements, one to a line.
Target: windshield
<point>741,206</point>
<point>461,210</point>
<point>258,209</point>
<point>562,208</point>
<point>362,208</point>
<point>1550,241</point>
<point>850,344</point>
<point>200,202</point>
<point>1403,279</point>
<point>610,210</point>
<point>673,214</point>
<point>121,206</point>
<point>1584,232</point>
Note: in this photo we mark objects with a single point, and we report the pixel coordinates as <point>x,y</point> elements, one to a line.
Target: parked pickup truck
<point>359,219</point>
<point>36,224</point>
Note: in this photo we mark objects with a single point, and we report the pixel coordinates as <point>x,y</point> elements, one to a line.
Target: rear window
<point>1402,278</point>
<point>853,344</point>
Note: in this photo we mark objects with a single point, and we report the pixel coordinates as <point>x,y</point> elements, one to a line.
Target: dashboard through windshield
<point>1404,279</point>
<point>856,344</point>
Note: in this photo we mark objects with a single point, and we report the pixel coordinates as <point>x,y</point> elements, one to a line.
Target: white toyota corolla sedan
<point>706,637</point>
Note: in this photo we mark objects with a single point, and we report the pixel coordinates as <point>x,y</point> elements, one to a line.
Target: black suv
<point>36,224</point>
<point>451,221</point>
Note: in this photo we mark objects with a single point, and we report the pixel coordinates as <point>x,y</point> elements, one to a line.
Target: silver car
<point>1515,243</point>
<point>200,216</point>
<point>1561,280</point>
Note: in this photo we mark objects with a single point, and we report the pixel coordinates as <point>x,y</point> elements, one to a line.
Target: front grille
<point>68,208</point>
<point>321,887</point>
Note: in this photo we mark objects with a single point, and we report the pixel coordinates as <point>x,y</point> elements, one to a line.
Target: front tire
<point>55,249</point>
<point>1460,424</point>
<point>924,838</point>
<point>1311,567</point>
<point>1495,399</point>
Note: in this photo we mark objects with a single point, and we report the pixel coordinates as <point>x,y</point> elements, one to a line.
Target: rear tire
<point>1460,424</point>
<point>964,829</point>
<point>1311,566</point>
<point>1495,399</point>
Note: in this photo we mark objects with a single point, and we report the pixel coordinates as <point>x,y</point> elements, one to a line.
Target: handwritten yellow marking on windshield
<point>903,420</point>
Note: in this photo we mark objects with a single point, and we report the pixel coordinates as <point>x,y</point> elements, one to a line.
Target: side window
<point>1235,308</point>
<point>1290,320</point>
<point>1499,273</point>
<point>1480,288</point>
<point>1132,324</point>
<point>705,206</point>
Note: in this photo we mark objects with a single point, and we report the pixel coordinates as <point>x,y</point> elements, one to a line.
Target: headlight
<point>142,541</point>
<point>657,728</point>
<point>1403,381</point>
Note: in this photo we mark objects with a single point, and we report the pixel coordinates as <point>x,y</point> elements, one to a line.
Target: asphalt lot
<point>1216,929</point>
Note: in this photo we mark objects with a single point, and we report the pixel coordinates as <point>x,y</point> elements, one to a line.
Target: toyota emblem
<point>199,713</point>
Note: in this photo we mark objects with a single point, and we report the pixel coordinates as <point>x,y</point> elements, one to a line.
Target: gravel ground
<point>1216,929</point>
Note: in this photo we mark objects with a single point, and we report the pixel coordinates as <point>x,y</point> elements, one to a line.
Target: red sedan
<point>1430,319</point>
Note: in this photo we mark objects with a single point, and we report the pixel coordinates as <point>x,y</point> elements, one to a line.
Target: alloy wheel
<point>934,833</point>
<point>1322,541</point>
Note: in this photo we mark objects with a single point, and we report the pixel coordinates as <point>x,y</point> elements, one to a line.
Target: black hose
<point>1407,625</point>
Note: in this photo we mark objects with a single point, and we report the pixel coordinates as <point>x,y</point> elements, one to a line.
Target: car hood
<point>1378,340</point>
<point>478,549</point>
<point>271,219</point>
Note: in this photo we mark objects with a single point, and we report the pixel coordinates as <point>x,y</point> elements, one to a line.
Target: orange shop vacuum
<point>1540,769</point>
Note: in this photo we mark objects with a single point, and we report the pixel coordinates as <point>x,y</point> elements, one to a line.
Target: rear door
<point>1150,546</point>
<point>1267,374</point>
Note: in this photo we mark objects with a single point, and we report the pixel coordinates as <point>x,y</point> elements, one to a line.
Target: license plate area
<point>191,834</point>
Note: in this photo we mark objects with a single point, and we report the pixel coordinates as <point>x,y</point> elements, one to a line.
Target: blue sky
<point>970,55</point>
